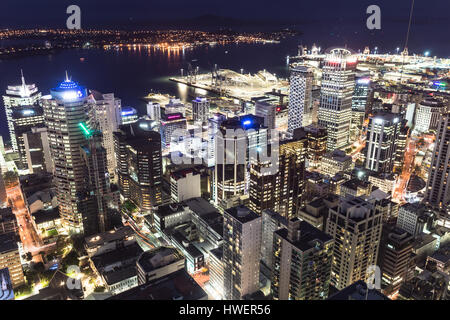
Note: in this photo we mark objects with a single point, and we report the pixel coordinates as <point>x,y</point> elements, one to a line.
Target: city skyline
<point>258,160</point>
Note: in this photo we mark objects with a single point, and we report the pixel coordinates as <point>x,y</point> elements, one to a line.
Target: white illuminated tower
<point>19,96</point>
<point>300,96</point>
<point>438,184</point>
<point>382,141</point>
<point>200,109</point>
<point>66,115</point>
<point>105,116</point>
<point>338,83</point>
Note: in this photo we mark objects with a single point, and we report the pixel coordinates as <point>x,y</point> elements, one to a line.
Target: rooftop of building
<point>101,239</point>
<point>276,216</point>
<point>178,285</point>
<point>119,274</point>
<point>244,122</point>
<point>169,209</point>
<point>188,246</point>
<point>358,291</point>
<point>27,112</point>
<point>43,216</point>
<point>355,184</point>
<point>45,195</point>
<point>139,133</point>
<point>7,215</point>
<point>386,117</point>
<point>200,206</point>
<point>242,214</point>
<point>183,173</point>
<point>432,102</point>
<point>124,255</point>
<point>356,208</point>
<point>338,155</point>
<point>308,236</point>
<point>8,242</point>
<point>158,258</point>
<point>217,252</point>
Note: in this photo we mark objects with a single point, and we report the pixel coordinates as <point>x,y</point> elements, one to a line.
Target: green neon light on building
<point>86,131</point>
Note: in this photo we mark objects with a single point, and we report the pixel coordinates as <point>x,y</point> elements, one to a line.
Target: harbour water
<point>132,73</point>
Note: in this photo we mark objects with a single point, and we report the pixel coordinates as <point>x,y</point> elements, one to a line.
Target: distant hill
<point>210,22</point>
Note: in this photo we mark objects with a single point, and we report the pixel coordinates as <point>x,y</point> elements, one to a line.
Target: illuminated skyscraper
<point>338,83</point>
<point>19,96</point>
<point>24,119</point>
<point>241,252</point>
<point>105,116</point>
<point>302,256</point>
<point>236,140</point>
<point>66,115</point>
<point>361,93</point>
<point>97,183</point>
<point>382,141</point>
<point>139,164</point>
<point>281,190</point>
<point>438,185</point>
<point>428,115</point>
<point>300,96</point>
<point>200,109</point>
<point>355,225</point>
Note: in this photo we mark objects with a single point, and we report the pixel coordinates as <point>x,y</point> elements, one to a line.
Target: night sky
<point>341,19</point>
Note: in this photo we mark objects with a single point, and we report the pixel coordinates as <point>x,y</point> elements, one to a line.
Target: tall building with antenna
<point>65,113</point>
<point>338,83</point>
<point>19,96</point>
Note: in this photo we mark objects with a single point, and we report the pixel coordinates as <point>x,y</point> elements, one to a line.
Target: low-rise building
<point>158,263</point>
<point>334,162</point>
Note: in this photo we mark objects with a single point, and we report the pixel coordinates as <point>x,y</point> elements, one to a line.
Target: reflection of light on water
<point>182,91</point>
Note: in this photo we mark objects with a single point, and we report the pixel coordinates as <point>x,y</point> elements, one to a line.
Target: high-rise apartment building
<point>66,117</point>
<point>381,143</point>
<point>338,83</point>
<point>105,116</point>
<point>302,262</point>
<point>283,188</point>
<point>19,96</point>
<point>317,145</point>
<point>396,253</point>
<point>241,252</point>
<point>24,119</point>
<point>139,164</point>
<point>300,96</point>
<point>438,184</point>
<point>97,182</point>
<point>271,222</point>
<point>355,225</point>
